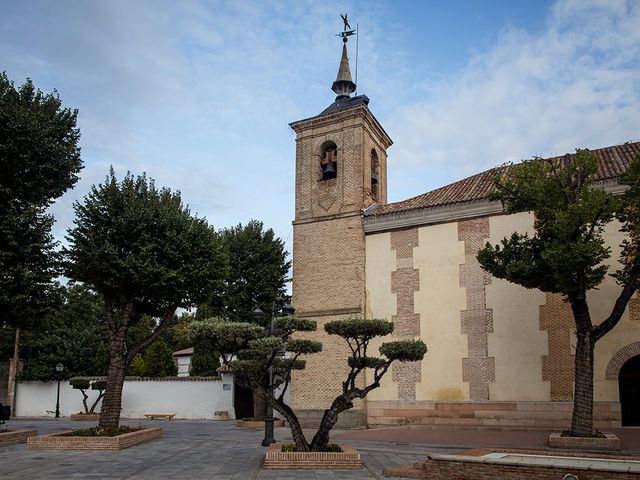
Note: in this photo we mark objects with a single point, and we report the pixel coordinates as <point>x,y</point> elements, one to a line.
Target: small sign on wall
<point>226,386</point>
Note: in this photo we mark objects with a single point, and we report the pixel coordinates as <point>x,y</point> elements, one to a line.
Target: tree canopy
<point>69,334</point>
<point>256,278</point>
<point>567,252</point>
<point>39,161</point>
<point>147,255</point>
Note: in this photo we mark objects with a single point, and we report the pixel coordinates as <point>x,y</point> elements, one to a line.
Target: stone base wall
<point>346,420</point>
<point>524,415</point>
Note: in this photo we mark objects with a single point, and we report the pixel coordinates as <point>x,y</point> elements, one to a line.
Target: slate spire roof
<point>344,85</point>
<point>613,162</point>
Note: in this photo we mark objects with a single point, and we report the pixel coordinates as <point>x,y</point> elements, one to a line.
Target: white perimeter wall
<point>192,399</point>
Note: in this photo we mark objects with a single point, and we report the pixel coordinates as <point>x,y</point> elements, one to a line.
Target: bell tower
<point>341,171</point>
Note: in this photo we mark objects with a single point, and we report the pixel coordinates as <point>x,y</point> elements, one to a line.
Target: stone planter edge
<point>58,441</point>
<point>13,437</point>
<point>276,459</point>
<point>610,442</point>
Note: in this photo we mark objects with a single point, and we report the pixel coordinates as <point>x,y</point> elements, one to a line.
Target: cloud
<point>577,84</point>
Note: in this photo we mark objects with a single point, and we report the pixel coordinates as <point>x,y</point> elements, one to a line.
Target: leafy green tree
<point>566,254</point>
<point>256,278</point>
<point>256,353</point>
<point>137,366</point>
<point>205,360</point>
<point>158,361</point>
<point>180,331</point>
<point>39,161</point>
<point>100,361</point>
<point>69,334</point>
<point>146,254</point>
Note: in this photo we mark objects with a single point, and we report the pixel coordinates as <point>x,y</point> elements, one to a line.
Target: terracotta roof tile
<point>613,161</point>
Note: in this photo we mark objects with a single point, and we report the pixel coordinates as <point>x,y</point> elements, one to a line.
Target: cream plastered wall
<point>380,302</point>
<point>439,302</point>
<point>601,302</point>
<point>516,343</point>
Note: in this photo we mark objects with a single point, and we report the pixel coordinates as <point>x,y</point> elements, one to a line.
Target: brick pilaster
<point>478,369</point>
<point>405,281</point>
<point>558,367</point>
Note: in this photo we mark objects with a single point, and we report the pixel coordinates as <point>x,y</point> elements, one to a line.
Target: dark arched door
<point>629,382</point>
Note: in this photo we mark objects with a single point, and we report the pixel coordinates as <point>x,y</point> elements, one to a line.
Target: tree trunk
<point>296,430</point>
<point>329,419</point>
<point>112,402</point>
<point>582,418</point>
<point>259,405</point>
<point>95,404</point>
<point>13,370</point>
<point>84,400</point>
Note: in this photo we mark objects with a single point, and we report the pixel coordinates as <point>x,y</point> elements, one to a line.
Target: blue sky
<point>199,94</point>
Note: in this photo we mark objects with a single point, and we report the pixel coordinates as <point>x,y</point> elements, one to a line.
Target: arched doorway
<point>629,384</point>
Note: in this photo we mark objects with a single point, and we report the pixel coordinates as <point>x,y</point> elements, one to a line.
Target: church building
<point>499,355</point>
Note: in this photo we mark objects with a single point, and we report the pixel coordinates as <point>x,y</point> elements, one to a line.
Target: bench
<point>165,416</point>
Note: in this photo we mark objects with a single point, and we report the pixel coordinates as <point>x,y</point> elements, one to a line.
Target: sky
<point>199,94</point>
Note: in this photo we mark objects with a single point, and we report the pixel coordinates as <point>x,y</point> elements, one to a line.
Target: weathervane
<point>347,32</point>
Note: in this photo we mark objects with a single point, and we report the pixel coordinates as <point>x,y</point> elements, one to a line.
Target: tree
<point>567,251</point>
<point>82,384</point>
<point>205,360</point>
<point>158,361</point>
<point>39,161</point>
<point>69,334</point>
<point>256,353</point>
<point>143,251</point>
<point>256,277</point>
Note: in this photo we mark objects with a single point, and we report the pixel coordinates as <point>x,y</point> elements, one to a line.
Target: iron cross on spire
<point>347,32</point>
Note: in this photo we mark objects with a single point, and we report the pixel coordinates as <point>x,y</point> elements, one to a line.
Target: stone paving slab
<point>218,450</point>
<point>194,450</point>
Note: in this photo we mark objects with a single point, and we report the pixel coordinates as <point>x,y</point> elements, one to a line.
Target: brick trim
<point>405,281</point>
<point>478,369</point>
<point>619,359</point>
<point>558,366</point>
<point>634,309</point>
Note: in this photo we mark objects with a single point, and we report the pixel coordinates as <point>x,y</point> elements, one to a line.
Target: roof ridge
<point>613,161</point>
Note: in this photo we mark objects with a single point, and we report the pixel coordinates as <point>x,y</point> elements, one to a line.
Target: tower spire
<point>344,86</point>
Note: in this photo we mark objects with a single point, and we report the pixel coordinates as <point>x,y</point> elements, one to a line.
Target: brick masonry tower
<point>341,170</point>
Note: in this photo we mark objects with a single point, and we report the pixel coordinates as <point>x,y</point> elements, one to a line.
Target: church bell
<point>329,170</point>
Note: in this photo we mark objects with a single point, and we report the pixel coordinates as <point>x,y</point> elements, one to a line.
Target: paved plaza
<point>206,449</point>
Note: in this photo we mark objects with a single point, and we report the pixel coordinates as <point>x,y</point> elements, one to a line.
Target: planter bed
<point>93,417</point>
<point>348,459</point>
<point>609,442</point>
<point>13,437</point>
<point>62,440</point>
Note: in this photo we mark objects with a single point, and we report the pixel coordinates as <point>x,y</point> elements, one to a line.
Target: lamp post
<point>59,369</point>
<point>287,310</point>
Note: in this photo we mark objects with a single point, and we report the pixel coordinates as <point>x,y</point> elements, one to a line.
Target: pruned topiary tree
<point>256,352</point>
<point>84,383</point>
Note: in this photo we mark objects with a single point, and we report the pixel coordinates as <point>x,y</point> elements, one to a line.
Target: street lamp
<point>59,369</point>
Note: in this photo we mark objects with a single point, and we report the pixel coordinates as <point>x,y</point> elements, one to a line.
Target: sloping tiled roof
<point>613,161</point>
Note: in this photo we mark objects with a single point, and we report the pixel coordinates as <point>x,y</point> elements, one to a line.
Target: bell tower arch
<point>341,170</point>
